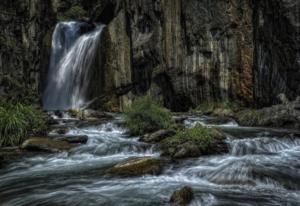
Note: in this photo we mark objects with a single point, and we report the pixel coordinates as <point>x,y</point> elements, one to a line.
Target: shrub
<point>145,115</point>
<point>18,121</point>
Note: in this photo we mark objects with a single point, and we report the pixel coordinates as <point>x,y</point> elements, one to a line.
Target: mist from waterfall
<point>72,57</point>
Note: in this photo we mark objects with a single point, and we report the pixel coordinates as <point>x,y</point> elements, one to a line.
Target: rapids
<point>262,169</point>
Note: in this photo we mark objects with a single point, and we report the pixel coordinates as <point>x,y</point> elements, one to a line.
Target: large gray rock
<point>282,115</point>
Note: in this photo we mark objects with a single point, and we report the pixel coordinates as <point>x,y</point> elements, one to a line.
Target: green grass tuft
<point>18,121</point>
<point>203,137</point>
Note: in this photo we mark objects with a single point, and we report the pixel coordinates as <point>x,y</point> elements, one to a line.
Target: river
<point>262,168</point>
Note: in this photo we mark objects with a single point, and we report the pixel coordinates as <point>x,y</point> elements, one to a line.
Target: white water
<point>262,169</point>
<point>71,62</point>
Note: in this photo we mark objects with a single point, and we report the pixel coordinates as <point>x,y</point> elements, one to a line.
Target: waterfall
<point>72,57</point>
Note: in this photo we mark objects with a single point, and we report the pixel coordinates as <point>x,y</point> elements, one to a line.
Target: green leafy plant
<point>145,115</point>
<point>18,121</point>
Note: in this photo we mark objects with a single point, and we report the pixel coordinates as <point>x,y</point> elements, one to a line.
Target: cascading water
<point>262,169</point>
<point>72,57</point>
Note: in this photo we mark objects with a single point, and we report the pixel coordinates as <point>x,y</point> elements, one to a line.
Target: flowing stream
<point>262,168</point>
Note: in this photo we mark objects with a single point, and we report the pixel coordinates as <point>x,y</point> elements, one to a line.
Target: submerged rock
<point>46,144</point>
<point>138,166</point>
<point>157,136</point>
<point>182,197</point>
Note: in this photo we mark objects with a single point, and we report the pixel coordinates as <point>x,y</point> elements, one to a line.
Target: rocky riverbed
<point>113,168</point>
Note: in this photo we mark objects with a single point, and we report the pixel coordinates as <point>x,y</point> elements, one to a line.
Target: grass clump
<point>18,121</point>
<point>202,137</point>
<point>145,115</point>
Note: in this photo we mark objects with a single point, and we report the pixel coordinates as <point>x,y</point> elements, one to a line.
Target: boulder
<point>46,144</point>
<point>283,115</point>
<point>182,197</point>
<point>157,136</point>
<point>73,139</point>
<point>137,166</point>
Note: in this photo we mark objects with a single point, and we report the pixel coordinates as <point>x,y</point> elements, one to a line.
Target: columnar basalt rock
<point>180,52</point>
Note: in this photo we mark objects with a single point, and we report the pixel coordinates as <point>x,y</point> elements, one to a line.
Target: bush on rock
<point>145,116</point>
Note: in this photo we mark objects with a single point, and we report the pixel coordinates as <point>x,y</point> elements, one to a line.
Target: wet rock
<point>138,166</point>
<point>46,144</point>
<point>282,115</point>
<point>188,149</point>
<point>62,130</point>
<point>182,197</point>
<point>12,154</point>
<point>157,136</point>
<point>73,139</point>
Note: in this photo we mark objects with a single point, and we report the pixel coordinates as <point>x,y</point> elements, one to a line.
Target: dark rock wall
<point>277,49</point>
<point>182,52</point>
<point>23,31</point>
<point>187,52</point>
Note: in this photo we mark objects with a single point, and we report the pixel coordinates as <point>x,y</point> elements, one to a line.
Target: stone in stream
<point>182,197</point>
<point>46,144</point>
<point>157,136</point>
<point>73,139</point>
<point>285,115</point>
<point>137,166</point>
<point>62,130</point>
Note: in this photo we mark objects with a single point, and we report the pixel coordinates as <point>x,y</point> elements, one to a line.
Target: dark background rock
<point>180,52</point>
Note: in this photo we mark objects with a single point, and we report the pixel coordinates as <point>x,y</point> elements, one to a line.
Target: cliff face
<point>23,52</point>
<point>180,52</point>
<point>277,49</point>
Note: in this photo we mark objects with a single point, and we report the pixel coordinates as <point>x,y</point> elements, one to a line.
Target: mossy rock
<point>137,166</point>
<point>223,109</point>
<point>250,117</point>
<point>193,142</point>
<point>75,113</point>
<point>46,144</point>
<point>182,197</point>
